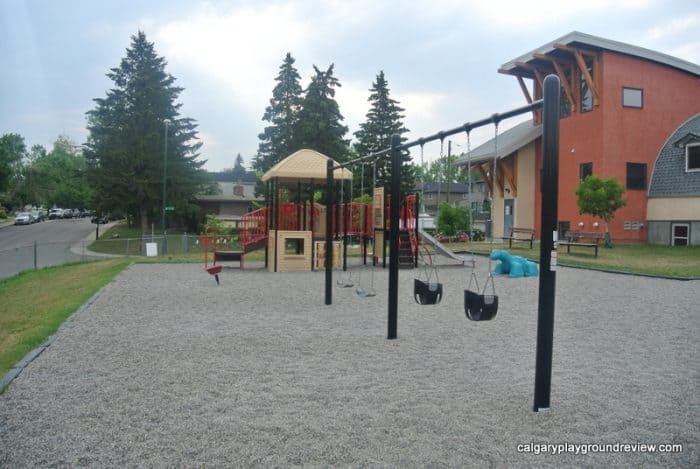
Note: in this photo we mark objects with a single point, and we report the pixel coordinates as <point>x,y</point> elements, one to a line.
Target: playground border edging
<point>16,370</point>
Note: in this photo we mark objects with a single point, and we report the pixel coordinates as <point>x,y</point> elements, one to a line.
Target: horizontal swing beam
<point>468,127</point>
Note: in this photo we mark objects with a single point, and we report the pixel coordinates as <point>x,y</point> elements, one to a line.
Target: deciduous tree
<point>600,198</point>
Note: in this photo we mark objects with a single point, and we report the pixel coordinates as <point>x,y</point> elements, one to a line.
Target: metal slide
<point>467,261</point>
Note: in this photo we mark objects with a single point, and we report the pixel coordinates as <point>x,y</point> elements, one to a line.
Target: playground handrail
<point>253,227</point>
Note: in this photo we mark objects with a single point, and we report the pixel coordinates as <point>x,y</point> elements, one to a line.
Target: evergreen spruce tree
<point>383,120</point>
<point>319,126</point>
<point>126,142</point>
<point>278,140</point>
<point>239,170</point>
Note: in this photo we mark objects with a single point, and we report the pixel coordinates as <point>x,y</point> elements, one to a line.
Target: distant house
<point>673,206</point>
<point>435,193</point>
<point>619,104</point>
<point>236,197</point>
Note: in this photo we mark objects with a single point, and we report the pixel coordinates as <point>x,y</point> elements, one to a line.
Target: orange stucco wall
<point>611,135</point>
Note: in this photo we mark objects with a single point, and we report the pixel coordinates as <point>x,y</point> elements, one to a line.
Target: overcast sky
<point>440,57</point>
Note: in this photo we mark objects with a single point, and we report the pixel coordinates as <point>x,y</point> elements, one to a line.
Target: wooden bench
<point>583,239</point>
<point>520,235</point>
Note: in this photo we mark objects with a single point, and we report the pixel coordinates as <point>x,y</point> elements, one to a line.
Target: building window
<point>465,196</point>
<point>585,170</point>
<point>586,93</point>
<point>632,97</point>
<point>680,234</point>
<point>564,105</point>
<point>636,176</point>
<point>692,157</point>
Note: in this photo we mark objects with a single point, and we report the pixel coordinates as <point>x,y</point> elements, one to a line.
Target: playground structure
<point>293,227</point>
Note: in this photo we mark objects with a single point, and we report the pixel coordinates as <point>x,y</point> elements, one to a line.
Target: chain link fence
<point>35,255</point>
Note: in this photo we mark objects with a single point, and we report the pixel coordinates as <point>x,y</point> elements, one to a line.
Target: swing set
<point>480,306</point>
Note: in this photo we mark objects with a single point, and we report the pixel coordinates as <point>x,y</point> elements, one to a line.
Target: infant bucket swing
<point>478,306</point>
<point>427,292</point>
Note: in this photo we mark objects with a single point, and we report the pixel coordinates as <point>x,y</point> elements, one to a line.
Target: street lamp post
<point>165,172</point>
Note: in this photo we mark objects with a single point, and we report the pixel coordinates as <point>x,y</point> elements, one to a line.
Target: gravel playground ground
<point>164,368</point>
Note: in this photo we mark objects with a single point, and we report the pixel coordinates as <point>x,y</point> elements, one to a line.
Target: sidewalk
<point>80,247</point>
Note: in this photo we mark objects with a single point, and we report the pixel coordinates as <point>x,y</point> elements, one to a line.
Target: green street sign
<point>170,209</point>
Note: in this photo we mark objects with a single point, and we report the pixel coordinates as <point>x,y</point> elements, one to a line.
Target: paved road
<point>53,239</point>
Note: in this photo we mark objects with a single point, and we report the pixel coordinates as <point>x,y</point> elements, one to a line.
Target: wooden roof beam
<point>503,169</point>
<point>524,89</point>
<point>500,182</point>
<point>584,70</point>
<point>487,180</point>
<point>562,79</point>
<point>538,74</point>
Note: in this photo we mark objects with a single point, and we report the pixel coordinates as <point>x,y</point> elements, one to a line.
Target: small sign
<point>170,208</point>
<point>151,249</point>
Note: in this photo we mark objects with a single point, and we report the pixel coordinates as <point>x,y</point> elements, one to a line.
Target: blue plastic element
<point>515,266</point>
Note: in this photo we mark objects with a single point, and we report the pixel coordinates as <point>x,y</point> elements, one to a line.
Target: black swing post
<point>329,239</point>
<point>394,237</point>
<point>547,285</point>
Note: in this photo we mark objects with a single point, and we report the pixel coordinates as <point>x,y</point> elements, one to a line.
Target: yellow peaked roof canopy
<point>304,165</point>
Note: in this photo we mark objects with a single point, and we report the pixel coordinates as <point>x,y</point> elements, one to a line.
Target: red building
<point>620,104</point>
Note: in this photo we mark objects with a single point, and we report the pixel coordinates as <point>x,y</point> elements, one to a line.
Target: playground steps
<point>406,260</point>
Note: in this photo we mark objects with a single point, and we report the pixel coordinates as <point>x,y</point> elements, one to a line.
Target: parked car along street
<point>24,218</point>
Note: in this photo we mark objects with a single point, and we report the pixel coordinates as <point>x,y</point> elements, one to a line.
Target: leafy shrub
<point>452,220</point>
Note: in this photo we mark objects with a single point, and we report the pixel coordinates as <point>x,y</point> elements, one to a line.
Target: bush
<point>477,235</point>
<point>452,220</point>
<point>3,214</point>
<point>221,230</point>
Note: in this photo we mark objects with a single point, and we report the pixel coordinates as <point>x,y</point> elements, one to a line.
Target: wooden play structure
<point>296,223</point>
<point>292,225</point>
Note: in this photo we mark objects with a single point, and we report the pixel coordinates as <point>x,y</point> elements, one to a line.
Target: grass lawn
<point>672,261</point>
<point>36,302</point>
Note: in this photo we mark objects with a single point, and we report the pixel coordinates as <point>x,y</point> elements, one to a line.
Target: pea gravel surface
<point>165,368</point>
